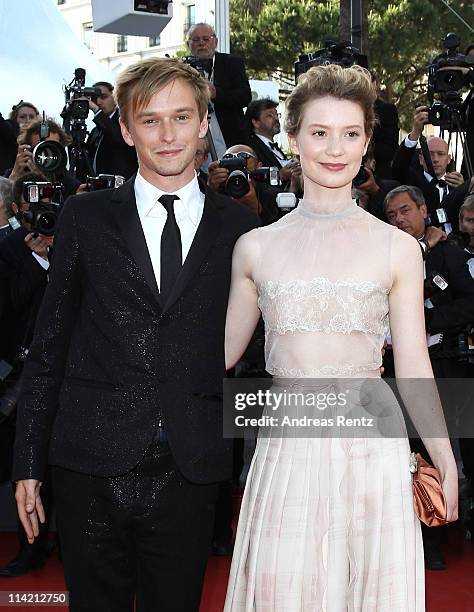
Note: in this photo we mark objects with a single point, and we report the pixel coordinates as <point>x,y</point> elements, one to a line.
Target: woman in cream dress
<point>327,522</point>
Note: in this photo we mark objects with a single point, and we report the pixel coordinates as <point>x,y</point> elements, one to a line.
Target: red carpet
<point>448,591</point>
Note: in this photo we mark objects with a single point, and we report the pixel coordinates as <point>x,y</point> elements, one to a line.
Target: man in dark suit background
<point>122,382</point>
<point>264,124</point>
<point>447,312</point>
<point>108,152</point>
<point>410,168</point>
<point>228,85</point>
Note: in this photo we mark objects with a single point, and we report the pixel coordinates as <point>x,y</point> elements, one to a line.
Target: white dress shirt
<point>188,212</point>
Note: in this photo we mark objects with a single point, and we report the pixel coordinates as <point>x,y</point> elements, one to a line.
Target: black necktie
<point>275,147</point>
<point>444,186</point>
<point>171,253</point>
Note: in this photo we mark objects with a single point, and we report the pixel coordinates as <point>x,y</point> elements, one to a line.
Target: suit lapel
<point>126,215</point>
<point>206,234</point>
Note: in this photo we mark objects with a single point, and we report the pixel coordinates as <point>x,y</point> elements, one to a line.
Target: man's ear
<point>293,144</point>
<point>259,164</point>
<point>255,123</point>
<point>203,127</point>
<point>424,211</point>
<point>15,208</point>
<point>125,133</point>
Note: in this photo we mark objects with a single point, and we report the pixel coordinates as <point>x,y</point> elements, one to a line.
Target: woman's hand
<point>450,490</point>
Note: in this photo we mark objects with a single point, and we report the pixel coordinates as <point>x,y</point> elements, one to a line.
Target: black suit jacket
<point>232,95</point>
<point>109,356</point>
<point>385,137</point>
<point>114,156</point>
<point>408,171</point>
<point>264,153</point>
<point>22,290</point>
<point>453,307</point>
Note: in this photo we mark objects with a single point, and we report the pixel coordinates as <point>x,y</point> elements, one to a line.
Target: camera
<point>341,53</point>
<point>267,174</point>
<point>237,183</point>
<point>78,109</point>
<point>448,73</point>
<point>42,216</point>
<point>361,177</point>
<point>202,64</point>
<point>104,181</point>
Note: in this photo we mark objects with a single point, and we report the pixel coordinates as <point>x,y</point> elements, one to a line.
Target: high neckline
<point>345,212</point>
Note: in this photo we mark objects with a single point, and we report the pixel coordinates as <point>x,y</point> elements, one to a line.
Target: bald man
<point>410,168</point>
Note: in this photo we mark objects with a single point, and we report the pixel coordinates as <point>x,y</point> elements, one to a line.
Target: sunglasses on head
<point>240,155</point>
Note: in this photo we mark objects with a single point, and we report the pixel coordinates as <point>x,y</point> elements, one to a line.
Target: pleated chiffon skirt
<point>328,525</point>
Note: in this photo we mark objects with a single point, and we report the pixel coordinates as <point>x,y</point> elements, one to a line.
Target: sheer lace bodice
<point>323,282</point>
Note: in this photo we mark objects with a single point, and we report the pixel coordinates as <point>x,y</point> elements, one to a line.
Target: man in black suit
<point>229,87</point>
<point>411,168</point>
<point>24,257</point>
<point>108,152</point>
<point>448,309</point>
<point>264,124</point>
<point>122,383</point>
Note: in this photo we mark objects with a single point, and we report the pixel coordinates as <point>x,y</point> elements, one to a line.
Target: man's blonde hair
<point>467,206</point>
<point>139,82</point>
<point>353,84</point>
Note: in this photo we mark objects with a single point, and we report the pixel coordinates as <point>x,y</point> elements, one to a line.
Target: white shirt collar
<point>266,140</point>
<point>429,178</point>
<point>189,205</point>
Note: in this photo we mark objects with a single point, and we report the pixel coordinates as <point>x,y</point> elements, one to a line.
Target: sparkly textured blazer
<point>109,358</point>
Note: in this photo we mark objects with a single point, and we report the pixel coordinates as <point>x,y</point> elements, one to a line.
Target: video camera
<point>448,74</point>
<point>42,216</point>
<point>237,184</point>
<point>76,109</point>
<point>104,181</point>
<point>341,53</point>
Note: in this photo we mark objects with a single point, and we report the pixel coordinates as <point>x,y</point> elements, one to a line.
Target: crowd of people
<point>116,328</point>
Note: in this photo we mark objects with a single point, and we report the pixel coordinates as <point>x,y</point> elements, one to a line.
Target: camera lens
<point>237,184</point>
<point>50,156</point>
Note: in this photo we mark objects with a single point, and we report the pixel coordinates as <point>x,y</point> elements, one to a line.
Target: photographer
<point>260,197</point>
<point>28,139</point>
<point>108,151</point>
<point>410,167</point>
<point>24,258</point>
<point>228,84</point>
<point>21,114</point>
<point>6,199</point>
<point>369,189</point>
<point>449,306</point>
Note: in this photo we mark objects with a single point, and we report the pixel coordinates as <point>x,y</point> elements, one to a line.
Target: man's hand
<point>370,186</point>
<point>296,183</point>
<point>433,235</point>
<point>251,200</point>
<point>39,244</point>
<point>287,170</point>
<point>420,119</point>
<point>454,179</point>
<point>23,162</point>
<point>30,507</point>
<point>216,176</point>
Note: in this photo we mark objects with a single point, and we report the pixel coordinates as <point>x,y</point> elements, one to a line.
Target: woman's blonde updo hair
<point>353,84</point>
